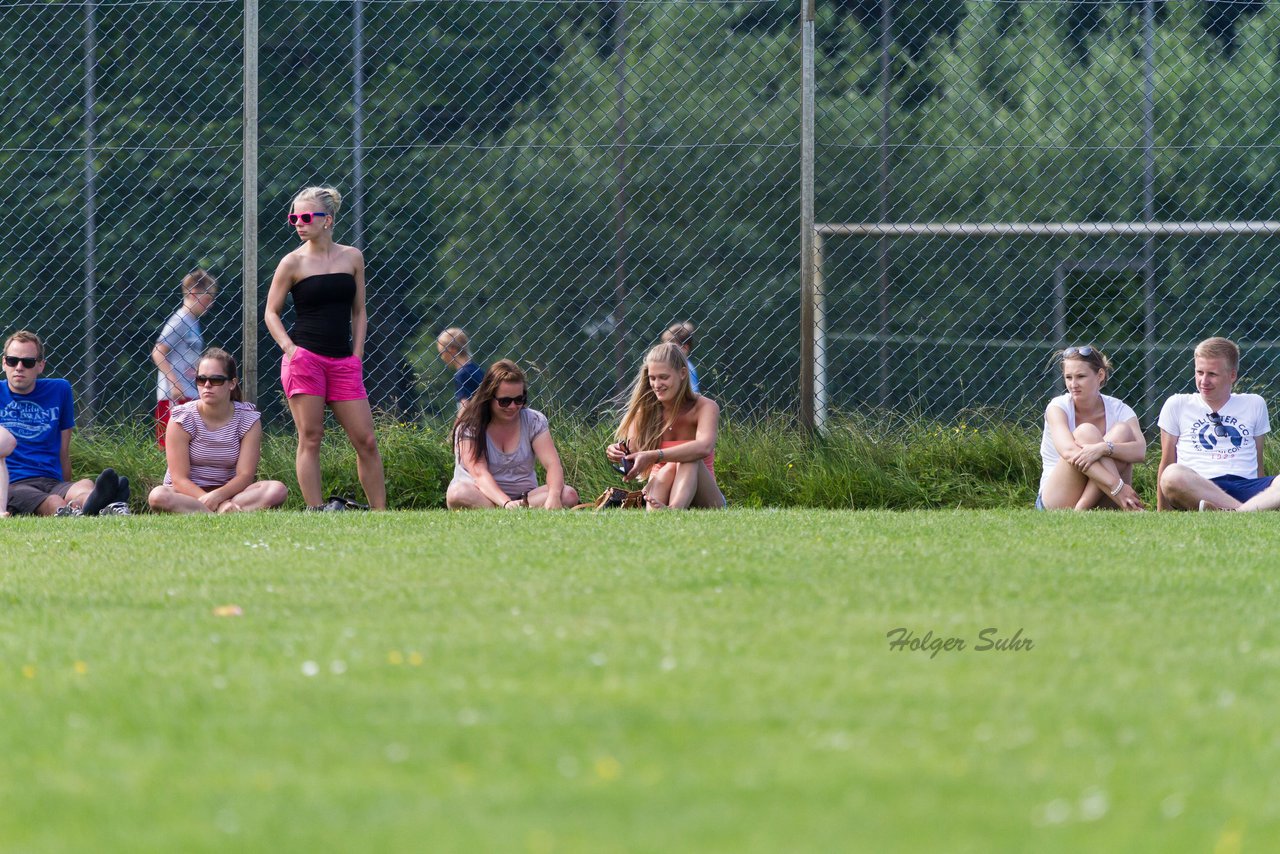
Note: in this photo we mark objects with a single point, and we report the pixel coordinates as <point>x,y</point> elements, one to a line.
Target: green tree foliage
<point>499,198</point>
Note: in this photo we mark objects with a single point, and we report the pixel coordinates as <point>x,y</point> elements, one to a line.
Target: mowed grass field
<point>620,682</point>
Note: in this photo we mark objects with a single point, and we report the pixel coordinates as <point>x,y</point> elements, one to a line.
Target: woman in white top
<point>1091,440</point>
<point>213,446</point>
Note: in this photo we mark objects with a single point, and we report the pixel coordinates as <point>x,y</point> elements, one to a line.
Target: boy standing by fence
<point>452,345</point>
<point>179,346</point>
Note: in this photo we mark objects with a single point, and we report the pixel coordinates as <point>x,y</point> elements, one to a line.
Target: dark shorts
<point>26,496</point>
<point>1242,488</point>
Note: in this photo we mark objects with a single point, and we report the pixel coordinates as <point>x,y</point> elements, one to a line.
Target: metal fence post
<point>90,399</point>
<point>357,121</point>
<point>249,249</point>
<point>808,385</point>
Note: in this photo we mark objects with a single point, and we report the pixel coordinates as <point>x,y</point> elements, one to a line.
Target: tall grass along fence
<point>881,460</point>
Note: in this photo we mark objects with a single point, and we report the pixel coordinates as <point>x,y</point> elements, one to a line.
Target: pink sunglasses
<point>304,218</point>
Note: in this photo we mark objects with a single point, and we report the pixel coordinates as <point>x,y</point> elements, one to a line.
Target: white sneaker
<point>116,508</point>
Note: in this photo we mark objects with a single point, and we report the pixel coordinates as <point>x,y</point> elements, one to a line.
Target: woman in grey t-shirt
<point>496,441</point>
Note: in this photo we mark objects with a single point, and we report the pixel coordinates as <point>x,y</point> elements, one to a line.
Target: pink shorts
<point>324,376</point>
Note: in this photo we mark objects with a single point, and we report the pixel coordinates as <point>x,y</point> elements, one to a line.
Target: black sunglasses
<point>1219,429</point>
<point>1072,352</point>
<point>504,402</point>
<point>25,361</point>
<point>214,380</point>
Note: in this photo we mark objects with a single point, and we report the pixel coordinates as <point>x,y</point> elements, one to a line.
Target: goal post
<point>814,387</point>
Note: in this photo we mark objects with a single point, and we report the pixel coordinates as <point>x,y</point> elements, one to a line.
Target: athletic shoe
<point>341,502</point>
<point>104,492</point>
<point>334,505</point>
<point>116,508</point>
<point>68,510</point>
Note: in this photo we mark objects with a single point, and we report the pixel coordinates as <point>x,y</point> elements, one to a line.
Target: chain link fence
<point>564,179</point>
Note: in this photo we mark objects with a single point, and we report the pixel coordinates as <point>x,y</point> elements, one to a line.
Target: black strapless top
<point>322,308</point>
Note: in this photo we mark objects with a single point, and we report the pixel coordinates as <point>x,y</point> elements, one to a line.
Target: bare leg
<point>308,417</point>
<point>1068,487</point>
<point>658,490</point>
<point>695,486</point>
<point>1185,489</point>
<point>1267,499</point>
<point>356,418</point>
<point>538,497</point>
<point>463,495</point>
<point>166,499</point>
<point>262,495</point>
<point>7,444</point>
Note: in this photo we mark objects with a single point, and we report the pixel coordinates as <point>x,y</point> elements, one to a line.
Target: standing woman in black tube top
<point>323,352</point>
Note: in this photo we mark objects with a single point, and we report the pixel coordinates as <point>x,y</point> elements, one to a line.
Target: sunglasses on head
<point>1072,352</point>
<point>504,402</point>
<point>25,361</point>
<point>214,380</point>
<point>1219,429</point>
<point>305,218</point>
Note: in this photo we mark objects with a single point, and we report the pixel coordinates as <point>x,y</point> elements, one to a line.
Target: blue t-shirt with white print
<point>37,420</point>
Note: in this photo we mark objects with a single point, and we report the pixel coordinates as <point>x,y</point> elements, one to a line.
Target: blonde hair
<point>643,425</point>
<point>1220,348</point>
<point>328,197</point>
<point>198,278</point>
<point>1091,356</point>
<point>26,336</point>
<point>455,339</point>
<point>680,333</point>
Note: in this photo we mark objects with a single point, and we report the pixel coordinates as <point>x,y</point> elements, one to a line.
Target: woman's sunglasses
<point>305,218</point>
<point>214,380</point>
<point>504,402</point>
<point>1072,352</point>
<point>25,361</point>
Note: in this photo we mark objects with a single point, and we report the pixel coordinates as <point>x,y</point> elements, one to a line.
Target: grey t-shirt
<point>514,472</point>
<point>182,336</point>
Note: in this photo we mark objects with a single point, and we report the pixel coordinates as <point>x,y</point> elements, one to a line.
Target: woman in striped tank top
<point>213,446</point>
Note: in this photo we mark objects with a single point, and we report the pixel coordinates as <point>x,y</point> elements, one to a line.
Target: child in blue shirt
<point>452,345</point>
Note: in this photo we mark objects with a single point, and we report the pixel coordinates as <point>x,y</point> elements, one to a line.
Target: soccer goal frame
<point>813,372</point>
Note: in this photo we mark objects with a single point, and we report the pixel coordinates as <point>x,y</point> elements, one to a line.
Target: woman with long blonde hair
<point>668,435</point>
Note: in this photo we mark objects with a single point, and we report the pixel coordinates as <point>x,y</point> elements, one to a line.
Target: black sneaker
<point>116,508</point>
<point>104,492</point>
<point>67,510</point>
<point>342,502</point>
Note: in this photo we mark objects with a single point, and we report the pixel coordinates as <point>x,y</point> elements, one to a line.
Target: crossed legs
<point>1069,488</point>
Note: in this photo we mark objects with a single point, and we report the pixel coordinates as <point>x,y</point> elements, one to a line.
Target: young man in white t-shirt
<point>1211,442</point>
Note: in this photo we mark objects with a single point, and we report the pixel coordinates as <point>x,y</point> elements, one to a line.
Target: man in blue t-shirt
<point>40,415</point>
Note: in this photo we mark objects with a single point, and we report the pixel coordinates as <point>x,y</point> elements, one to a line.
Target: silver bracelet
<point>1111,447</point>
<point>1119,486</point>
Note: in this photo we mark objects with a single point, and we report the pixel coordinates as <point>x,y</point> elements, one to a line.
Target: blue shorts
<point>1242,488</point>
